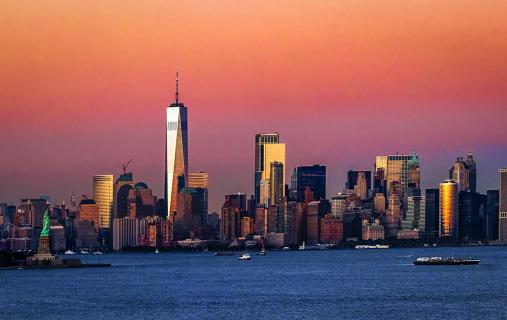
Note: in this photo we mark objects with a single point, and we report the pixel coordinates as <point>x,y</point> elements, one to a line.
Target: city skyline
<point>86,112</point>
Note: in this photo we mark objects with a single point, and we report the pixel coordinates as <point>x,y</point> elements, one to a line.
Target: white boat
<point>69,252</point>
<point>245,256</point>
<point>286,248</point>
<point>84,252</point>
<point>98,252</point>
<point>261,253</point>
<point>318,246</point>
<point>378,246</point>
<point>156,251</point>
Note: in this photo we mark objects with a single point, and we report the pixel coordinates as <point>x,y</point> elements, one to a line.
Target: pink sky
<point>84,86</point>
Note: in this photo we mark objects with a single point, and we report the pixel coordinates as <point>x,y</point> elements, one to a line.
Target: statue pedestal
<point>43,253</point>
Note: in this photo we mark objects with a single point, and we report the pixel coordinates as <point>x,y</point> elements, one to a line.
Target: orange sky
<point>91,73</point>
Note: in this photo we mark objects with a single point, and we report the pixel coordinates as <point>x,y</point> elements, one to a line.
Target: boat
<point>286,248</point>
<point>98,252</point>
<point>245,256</point>
<point>378,246</point>
<point>318,246</point>
<point>438,261</point>
<point>156,251</point>
<point>69,252</point>
<point>84,252</point>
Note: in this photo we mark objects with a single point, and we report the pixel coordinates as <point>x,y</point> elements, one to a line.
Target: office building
<point>359,181</point>
<point>331,229</point>
<point>502,220</point>
<point>401,168</point>
<point>416,214</point>
<point>140,201</point>
<point>472,215</point>
<point>125,233</point>
<point>379,203</point>
<point>392,219</point>
<point>372,231</point>
<point>262,139</point>
<point>339,205</point>
<point>449,209</point>
<point>176,152</point>
<point>103,196</point>
<point>88,210</point>
<point>492,209</point>
<point>432,213</point>
<point>121,190</point>
<point>273,158</point>
<point>313,177</point>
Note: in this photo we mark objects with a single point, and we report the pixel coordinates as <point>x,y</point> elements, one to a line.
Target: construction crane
<point>125,165</point>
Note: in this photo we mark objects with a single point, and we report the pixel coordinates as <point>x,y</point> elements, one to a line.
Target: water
<point>353,284</point>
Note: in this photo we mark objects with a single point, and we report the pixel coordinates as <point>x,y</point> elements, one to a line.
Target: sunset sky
<point>84,86</point>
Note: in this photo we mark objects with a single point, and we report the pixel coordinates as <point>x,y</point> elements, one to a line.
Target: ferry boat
<point>84,252</point>
<point>378,246</point>
<point>435,261</point>
<point>245,256</point>
<point>69,252</point>
<point>318,246</point>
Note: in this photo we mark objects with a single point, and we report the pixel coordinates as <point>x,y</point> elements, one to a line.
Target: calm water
<point>351,284</point>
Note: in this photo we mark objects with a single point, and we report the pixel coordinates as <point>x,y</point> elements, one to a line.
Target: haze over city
<point>84,88</point>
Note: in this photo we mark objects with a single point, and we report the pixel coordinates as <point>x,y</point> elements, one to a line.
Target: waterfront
<point>325,284</point>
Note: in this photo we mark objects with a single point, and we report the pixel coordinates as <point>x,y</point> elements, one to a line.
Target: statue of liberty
<point>45,224</point>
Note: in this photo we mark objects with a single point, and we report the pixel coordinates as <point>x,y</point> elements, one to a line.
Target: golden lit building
<point>198,180</point>
<point>88,210</point>
<point>272,181</point>
<point>103,196</point>
<point>449,209</point>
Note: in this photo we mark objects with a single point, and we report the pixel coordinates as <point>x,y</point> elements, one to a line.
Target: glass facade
<point>449,209</point>
<point>103,196</point>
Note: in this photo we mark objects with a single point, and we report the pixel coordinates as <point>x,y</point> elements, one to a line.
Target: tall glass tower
<point>176,152</point>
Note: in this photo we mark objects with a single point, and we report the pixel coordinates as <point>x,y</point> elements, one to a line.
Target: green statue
<point>45,224</point>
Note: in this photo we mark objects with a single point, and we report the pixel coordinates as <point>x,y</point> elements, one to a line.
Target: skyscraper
<point>121,191</point>
<point>353,176</point>
<point>199,183</point>
<point>308,176</point>
<point>103,196</point>
<point>261,139</point>
<point>432,214</point>
<point>464,172</point>
<point>176,152</point>
<point>401,168</point>
<point>271,152</point>
<point>502,221</point>
<point>449,209</point>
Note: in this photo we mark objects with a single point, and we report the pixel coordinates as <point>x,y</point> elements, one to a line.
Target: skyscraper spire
<point>177,89</point>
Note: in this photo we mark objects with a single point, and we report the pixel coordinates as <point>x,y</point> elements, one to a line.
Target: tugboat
<point>245,256</point>
<point>439,261</point>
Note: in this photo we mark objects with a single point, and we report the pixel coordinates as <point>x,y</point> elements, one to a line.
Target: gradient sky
<point>84,86</point>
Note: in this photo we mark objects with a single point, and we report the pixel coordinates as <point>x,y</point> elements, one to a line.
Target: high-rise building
<point>353,177</point>
<point>392,219</point>
<point>401,168</point>
<point>230,222</point>
<point>492,206</point>
<point>176,152</point>
<point>379,203</point>
<point>308,176</point>
<point>432,215</point>
<point>88,210</point>
<point>472,172</point>
<point>272,153</point>
<point>125,233</point>
<point>464,172</point>
<point>502,216</point>
<point>472,212</point>
<point>416,214</point>
<point>140,201</point>
<point>277,183</point>
<point>339,205</point>
<point>262,139</point>
<point>121,191</point>
<point>103,196</point>
<point>199,183</point>
<point>237,200</point>
<point>449,209</point>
